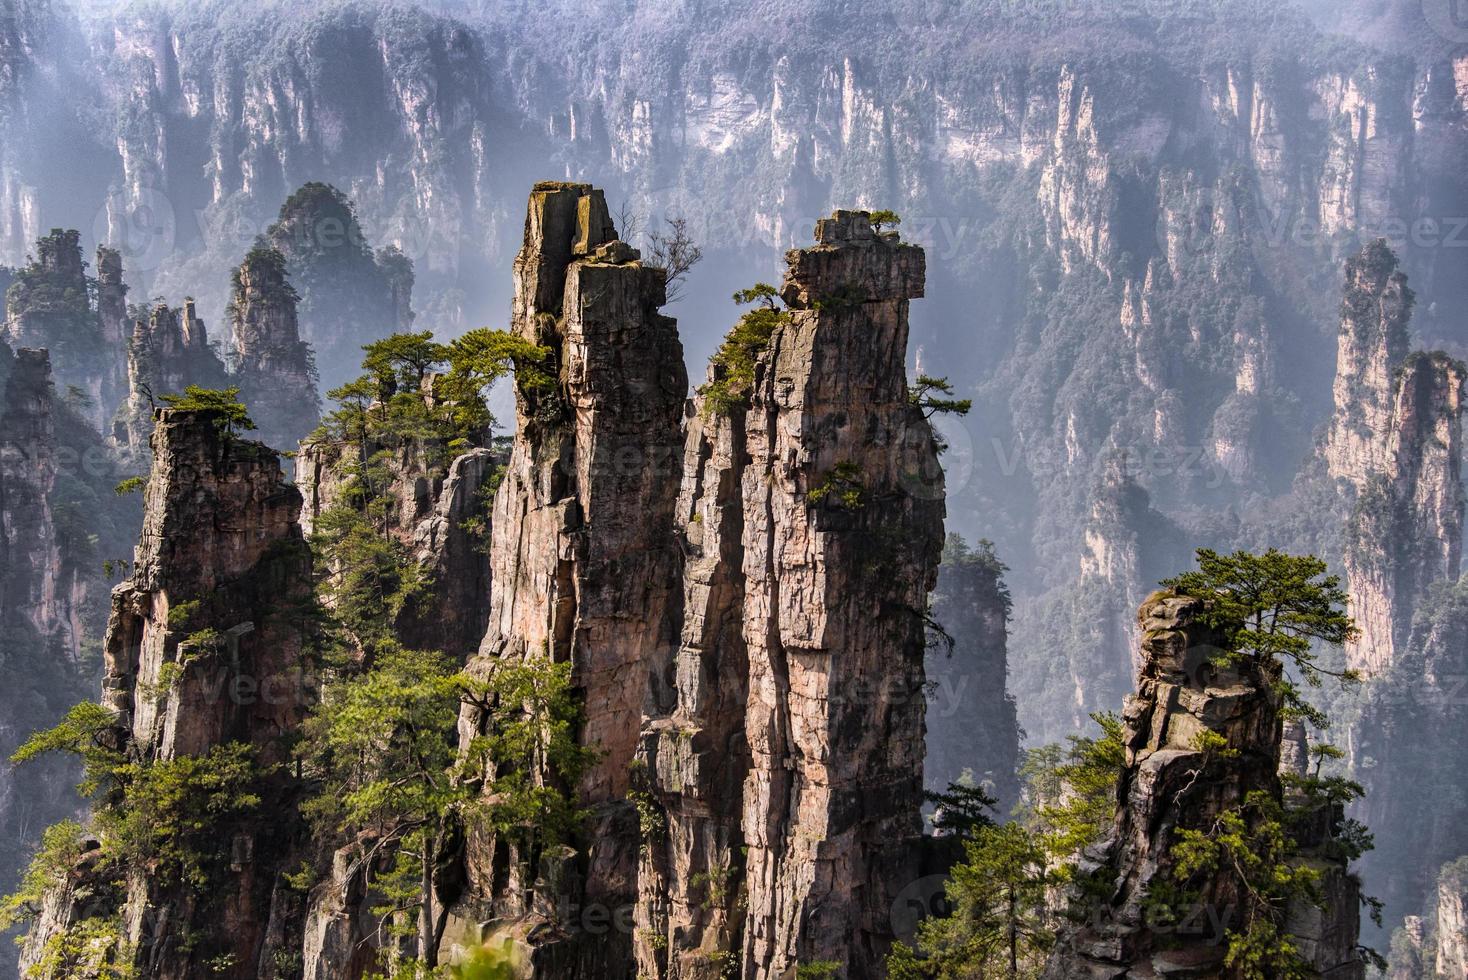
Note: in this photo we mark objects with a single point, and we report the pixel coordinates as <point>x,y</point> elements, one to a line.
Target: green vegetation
<point>60,846</point>
<point>842,486</point>
<point>998,925</point>
<point>1275,609</point>
<point>133,484</point>
<point>883,218</point>
<point>933,397</point>
<point>1271,609</point>
<point>229,412</point>
<point>381,753</point>
<point>735,360</point>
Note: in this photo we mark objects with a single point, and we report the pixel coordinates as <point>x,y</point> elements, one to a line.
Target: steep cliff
<point>439,513</point>
<point>39,658</point>
<point>275,369</point>
<point>49,305</point>
<point>971,718</point>
<point>204,682</point>
<point>349,294</point>
<point>1203,747</point>
<point>1452,920</point>
<point>1408,749</point>
<point>61,519</point>
<point>1395,449</point>
<point>166,352</point>
<point>829,478</point>
<point>582,552</point>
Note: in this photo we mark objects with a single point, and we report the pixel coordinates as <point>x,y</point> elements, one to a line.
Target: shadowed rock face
<point>971,724</point>
<point>277,371</point>
<point>429,511</point>
<point>1169,783</point>
<point>204,649</point>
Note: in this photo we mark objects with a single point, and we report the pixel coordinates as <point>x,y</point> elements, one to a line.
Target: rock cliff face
<point>1173,781</point>
<point>826,602</point>
<point>1212,182</point>
<point>1452,920</point>
<point>204,650</point>
<point>1409,736</point>
<point>350,295</point>
<point>167,352</point>
<point>434,514</point>
<point>1373,342</point>
<point>48,305</point>
<point>972,726</point>
<point>61,519</point>
<point>583,553</point>
<point>1395,447</point>
<point>39,651</point>
<point>276,370</point>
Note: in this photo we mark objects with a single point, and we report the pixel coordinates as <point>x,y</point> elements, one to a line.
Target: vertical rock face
<point>48,306</point>
<point>826,600</point>
<point>1452,920</point>
<point>204,650</point>
<point>113,323</point>
<point>431,512</point>
<point>30,582</point>
<point>1413,733</point>
<point>276,370</point>
<point>39,652</point>
<point>583,555</point>
<point>167,352</point>
<point>1395,447</point>
<point>1169,784</point>
<point>1406,531</point>
<point>1373,341</point>
<point>971,719</point>
<point>221,541</point>
<point>1172,781</point>
<point>1326,935</point>
<point>350,295</point>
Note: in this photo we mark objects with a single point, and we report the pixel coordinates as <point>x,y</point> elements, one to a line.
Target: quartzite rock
<point>827,596</point>
<point>205,647</point>
<point>167,352</point>
<point>276,370</point>
<point>583,555</point>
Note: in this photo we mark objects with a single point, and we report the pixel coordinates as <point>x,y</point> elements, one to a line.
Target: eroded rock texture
<point>205,649</point>
<point>1452,920</point>
<point>1395,447</point>
<point>167,352</point>
<point>440,516</point>
<point>583,555</point>
<point>1169,783</point>
<point>1173,781</point>
<point>829,479</point>
<point>61,520</point>
<point>276,370</point>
